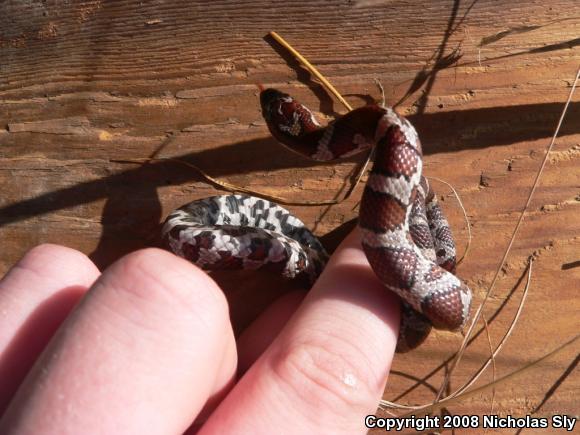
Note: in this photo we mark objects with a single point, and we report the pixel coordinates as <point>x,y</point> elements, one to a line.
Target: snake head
<point>270,99</point>
<point>288,120</point>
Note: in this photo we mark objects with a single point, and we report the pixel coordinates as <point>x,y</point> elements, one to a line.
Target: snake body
<point>244,232</point>
<point>405,235</point>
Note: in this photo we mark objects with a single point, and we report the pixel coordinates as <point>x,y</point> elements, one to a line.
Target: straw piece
<point>310,68</point>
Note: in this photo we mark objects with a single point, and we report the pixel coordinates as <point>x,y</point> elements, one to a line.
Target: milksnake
<point>405,235</point>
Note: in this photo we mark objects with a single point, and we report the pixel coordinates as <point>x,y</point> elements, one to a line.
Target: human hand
<point>148,347</point>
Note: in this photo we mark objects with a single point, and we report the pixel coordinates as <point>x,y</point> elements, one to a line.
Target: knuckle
<point>49,261</point>
<point>156,274</point>
<point>52,252</point>
<point>328,371</point>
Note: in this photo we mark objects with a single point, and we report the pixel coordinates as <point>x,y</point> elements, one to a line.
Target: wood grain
<point>83,83</point>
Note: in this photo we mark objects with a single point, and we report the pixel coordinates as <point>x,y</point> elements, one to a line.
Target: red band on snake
<point>405,236</point>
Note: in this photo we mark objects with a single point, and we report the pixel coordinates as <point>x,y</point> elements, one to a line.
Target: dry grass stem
<point>507,334</point>
<point>461,392</point>
<point>310,68</point>
<point>493,367</point>
<point>503,380</point>
<point>512,238</point>
<point>465,217</point>
<point>491,360</point>
<point>225,185</point>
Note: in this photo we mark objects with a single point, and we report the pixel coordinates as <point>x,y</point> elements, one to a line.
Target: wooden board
<point>84,83</point>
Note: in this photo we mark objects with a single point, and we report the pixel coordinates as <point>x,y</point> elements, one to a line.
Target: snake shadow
<point>133,210</point>
<point>132,215</point>
<point>125,231</point>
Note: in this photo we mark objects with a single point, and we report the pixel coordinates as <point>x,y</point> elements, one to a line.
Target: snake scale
<point>405,235</point>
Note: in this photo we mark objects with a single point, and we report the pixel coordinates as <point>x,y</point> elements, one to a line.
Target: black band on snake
<point>405,235</point>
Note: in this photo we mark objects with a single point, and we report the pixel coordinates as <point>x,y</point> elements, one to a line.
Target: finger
<point>36,295</point>
<point>260,334</point>
<point>142,353</point>
<point>328,367</point>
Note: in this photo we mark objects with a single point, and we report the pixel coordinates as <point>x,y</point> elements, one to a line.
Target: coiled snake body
<point>405,236</point>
